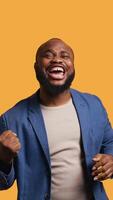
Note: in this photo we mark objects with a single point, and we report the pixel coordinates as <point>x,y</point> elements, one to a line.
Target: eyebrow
<point>65,52</point>
<point>47,50</point>
<point>52,51</point>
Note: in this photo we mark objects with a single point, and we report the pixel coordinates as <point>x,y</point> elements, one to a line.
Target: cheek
<point>70,63</point>
<point>70,66</point>
<point>43,64</point>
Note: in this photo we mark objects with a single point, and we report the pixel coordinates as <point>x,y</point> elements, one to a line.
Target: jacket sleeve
<point>6,179</point>
<point>107,142</point>
<point>107,145</point>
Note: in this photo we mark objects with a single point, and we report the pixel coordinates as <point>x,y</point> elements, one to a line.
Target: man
<point>58,143</point>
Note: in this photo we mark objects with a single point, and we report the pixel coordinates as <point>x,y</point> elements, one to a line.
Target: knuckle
<point>4,143</point>
<point>106,174</point>
<point>5,133</point>
<point>109,175</point>
<point>103,169</point>
<point>17,139</point>
<point>102,161</point>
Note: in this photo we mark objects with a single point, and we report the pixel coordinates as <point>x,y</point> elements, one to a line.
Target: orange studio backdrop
<point>85,25</point>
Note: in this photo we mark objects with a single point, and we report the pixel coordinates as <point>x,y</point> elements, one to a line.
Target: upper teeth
<point>57,69</point>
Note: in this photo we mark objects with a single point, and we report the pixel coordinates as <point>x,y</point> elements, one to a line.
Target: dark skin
<point>54,53</point>
<point>103,167</point>
<point>9,147</point>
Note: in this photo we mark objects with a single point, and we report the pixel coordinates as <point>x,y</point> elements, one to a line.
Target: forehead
<point>55,45</point>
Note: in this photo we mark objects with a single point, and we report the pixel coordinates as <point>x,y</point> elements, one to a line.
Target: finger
<point>4,135</point>
<point>103,169</point>
<point>9,142</point>
<point>109,175</point>
<point>105,166</point>
<point>98,171</point>
<point>104,175</point>
<point>100,163</point>
<point>7,135</point>
<point>97,157</point>
<point>99,177</point>
<point>17,147</point>
<point>11,134</point>
<point>97,165</point>
<point>13,143</point>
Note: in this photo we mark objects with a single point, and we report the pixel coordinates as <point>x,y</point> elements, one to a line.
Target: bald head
<point>54,66</point>
<point>48,44</point>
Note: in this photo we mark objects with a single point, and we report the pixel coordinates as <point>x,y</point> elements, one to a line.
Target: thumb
<point>97,157</point>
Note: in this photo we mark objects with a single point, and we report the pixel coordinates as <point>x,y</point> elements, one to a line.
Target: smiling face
<point>55,65</point>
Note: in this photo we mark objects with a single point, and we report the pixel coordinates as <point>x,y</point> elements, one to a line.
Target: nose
<point>56,59</point>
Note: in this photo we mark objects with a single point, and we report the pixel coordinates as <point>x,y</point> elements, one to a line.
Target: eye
<point>65,56</point>
<point>48,55</point>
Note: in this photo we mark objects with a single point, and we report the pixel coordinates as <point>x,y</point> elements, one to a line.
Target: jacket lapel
<point>84,120</point>
<point>36,119</point>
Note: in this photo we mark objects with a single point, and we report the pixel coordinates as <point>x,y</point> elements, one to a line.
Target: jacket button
<point>46,196</point>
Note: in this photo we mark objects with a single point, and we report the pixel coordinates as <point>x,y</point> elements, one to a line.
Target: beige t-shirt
<point>63,131</point>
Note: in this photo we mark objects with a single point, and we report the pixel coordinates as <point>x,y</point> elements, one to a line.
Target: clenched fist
<point>9,146</point>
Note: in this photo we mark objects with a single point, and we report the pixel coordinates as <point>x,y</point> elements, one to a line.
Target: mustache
<point>52,89</point>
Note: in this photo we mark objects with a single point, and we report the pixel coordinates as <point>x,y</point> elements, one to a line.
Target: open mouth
<point>56,72</point>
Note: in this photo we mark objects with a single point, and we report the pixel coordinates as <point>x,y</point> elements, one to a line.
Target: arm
<point>7,177</point>
<point>103,162</point>
<point>9,146</point>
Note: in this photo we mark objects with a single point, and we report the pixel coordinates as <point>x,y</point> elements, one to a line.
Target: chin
<point>54,86</point>
<point>57,82</point>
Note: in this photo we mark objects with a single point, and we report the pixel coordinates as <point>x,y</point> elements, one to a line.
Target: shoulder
<point>92,105</point>
<point>85,96</point>
<point>92,101</point>
<point>19,108</point>
<point>16,115</point>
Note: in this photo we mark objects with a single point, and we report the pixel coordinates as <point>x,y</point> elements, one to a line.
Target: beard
<point>52,89</point>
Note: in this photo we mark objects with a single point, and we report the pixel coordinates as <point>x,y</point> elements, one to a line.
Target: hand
<point>9,146</point>
<point>103,167</point>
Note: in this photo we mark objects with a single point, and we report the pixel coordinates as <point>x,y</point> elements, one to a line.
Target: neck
<point>48,100</point>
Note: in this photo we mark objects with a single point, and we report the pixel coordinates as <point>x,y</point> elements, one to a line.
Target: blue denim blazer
<point>32,167</point>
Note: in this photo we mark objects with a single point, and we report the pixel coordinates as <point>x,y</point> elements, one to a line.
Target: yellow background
<point>85,24</point>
